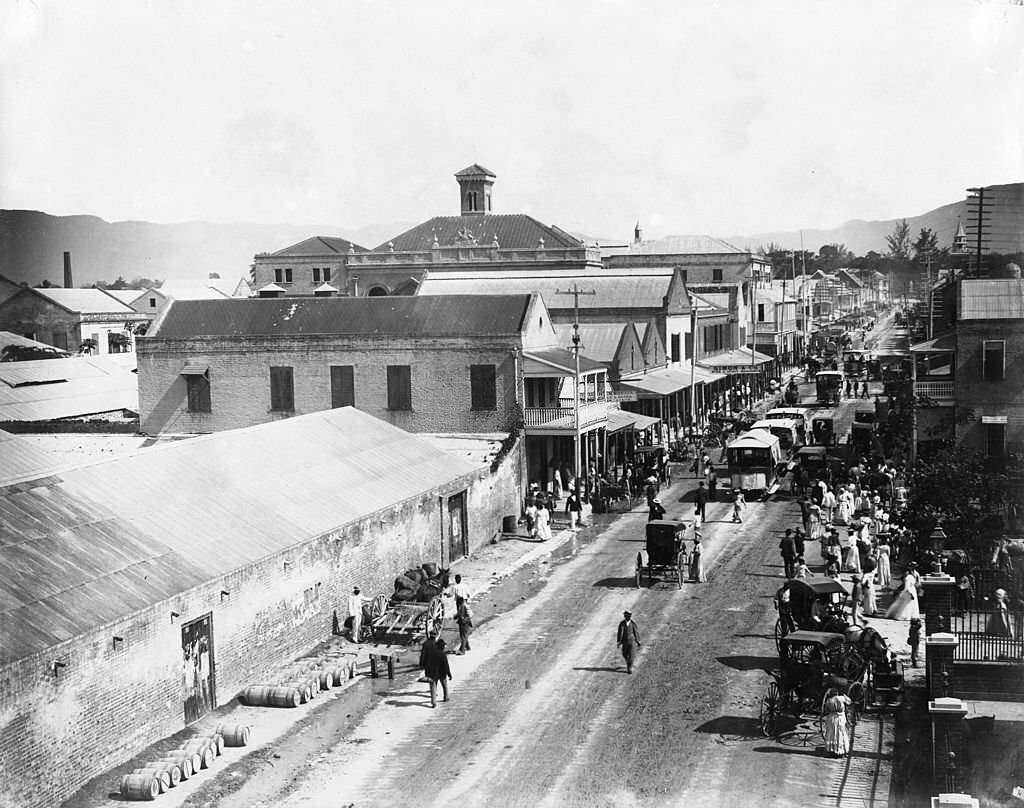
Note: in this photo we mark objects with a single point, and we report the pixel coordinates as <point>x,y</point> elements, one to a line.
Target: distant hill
<point>32,245</point>
<point>860,236</point>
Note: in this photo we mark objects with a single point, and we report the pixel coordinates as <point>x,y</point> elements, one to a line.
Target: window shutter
<point>482,379</point>
<point>343,388</point>
<point>282,391</point>
<point>399,387</point>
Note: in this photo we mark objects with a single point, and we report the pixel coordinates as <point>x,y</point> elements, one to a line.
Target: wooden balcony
<point>559,420</point>
<point>940,391</point>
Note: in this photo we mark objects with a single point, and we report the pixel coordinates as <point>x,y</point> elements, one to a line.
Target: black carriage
<point>811,670</point>
<point>823,428</point>
<point>816,604</point>
<point>666,552</point>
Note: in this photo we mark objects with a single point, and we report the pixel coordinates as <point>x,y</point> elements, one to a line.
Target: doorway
<point>197,667</point>
<point>457,540</point>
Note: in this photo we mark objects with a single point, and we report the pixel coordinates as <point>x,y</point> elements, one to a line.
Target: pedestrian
<point>856,598</point>
<point>543,522</point>
<point>870,601</point>
<point>531,517</point>
<point>705,463</point>
<point>914,639</point>
<point>464,618</point>
<point>864,389</point>
<point>836,724</point>
<point>784,605</point>
<point>832,569</point>
<point>656,510</point>
<point>964,594</point>
<point>700,498</point>
<point>828,506</point>
<point>573,509</point>
<point>628,639</point>
<point>460,590</point>
<point>884,569</point>
<point>998,623</point>
<point>712,484</point>
<point>698,522</point>
<point>434,662</point>
<point>787,548</point>
<point>800,541</point>
<point>805,514</point>
<point>355,611</point>
<point>802,570</point>
<point>697,573</point>
<point>906,606</point>
<point>739,504</point>
<point>815,522</point>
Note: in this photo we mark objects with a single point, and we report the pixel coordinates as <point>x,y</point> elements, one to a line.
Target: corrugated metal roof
<point>402,316</point>
<point>945,342</point>
<point>537,360</point>
<point>515,231</point>
<point>598,340</point>
<point>96,543</point>
<point>7,338</point>
<point>21,459</point>
<point>86,301</point>
<point>321,245</point>
<point>662,382</point>
<point>611,291</point>
<point>90,385</point>
<point>737,357</point>
<point>620,419</point>
<point>684,245</point>
<point>126,296</point>
<point>996,299</point>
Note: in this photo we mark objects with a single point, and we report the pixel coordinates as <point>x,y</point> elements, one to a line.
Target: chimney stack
<point>68,284</point>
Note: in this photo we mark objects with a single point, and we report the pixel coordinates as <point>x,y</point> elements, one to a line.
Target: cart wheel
<point>680,559</point>
<point>378,606</point>
<point>857,695</point>
<point>779,634</point>
<point>639,569</point>
<point>435,615</point>
<point>771,709</point>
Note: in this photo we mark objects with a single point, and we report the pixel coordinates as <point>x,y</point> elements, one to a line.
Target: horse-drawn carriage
<point>815,604</point>
<point>810,672</point>
<point>666,552</point>
<point>413,612</point>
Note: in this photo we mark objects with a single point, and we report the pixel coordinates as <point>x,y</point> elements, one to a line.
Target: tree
<point>834,256</point>
<point>24,353</point>
<point>926,245</point>
<point>898,241</point>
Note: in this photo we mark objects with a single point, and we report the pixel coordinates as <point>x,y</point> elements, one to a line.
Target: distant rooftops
<point>684,245</point>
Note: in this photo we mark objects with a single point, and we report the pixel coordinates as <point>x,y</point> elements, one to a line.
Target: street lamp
<point>938,542</point>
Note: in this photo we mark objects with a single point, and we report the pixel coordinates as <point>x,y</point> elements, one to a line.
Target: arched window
<point>377,291</point>
<point>471,201</point>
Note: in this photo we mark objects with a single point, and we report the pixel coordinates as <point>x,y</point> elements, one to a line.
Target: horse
<point>871,646</point>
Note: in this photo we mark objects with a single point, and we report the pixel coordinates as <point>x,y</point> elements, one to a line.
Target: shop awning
<point>740,360</point>
<point>662,382</point>
<point>195,369</point>
<point>619,420</point>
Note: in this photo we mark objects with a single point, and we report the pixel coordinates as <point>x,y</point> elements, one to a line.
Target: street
<point>543,712</point>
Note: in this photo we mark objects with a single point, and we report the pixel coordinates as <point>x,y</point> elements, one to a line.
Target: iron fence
<point>985,636</point>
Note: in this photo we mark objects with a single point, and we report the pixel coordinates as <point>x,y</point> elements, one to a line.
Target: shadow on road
<point>732,726</point>
<point>790,750</point>
<point>750,663</point>
<point>617,583</point>
<point>600,670</point>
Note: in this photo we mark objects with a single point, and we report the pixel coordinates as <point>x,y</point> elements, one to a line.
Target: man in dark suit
<point>628,639</point>
<point>700,497</point>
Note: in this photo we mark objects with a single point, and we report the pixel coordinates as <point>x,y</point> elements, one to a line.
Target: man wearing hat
<point>626,638</point>
<point>355,611</point>
<point>657,510</point>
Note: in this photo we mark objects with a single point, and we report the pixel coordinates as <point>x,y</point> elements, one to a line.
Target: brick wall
<point>240,380</point>
<point>49,323</point>
<point>302,272</point>
<point>1004,397</point>
<point>108,703</point>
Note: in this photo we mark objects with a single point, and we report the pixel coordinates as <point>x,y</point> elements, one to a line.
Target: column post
<point>947,717</point>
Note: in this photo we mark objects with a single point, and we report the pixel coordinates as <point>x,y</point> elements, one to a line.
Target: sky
<point>690,117</point>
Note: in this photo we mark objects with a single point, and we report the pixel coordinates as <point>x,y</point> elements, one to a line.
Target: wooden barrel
<point>217,741</point>
<point>234,734</point>
<point>163,779</point>
<point>270,696</point>
<point>140,787</point>
<point>185,762</point>
<point>304,688</point>
<point>172,769</point>
<point>203,748</point>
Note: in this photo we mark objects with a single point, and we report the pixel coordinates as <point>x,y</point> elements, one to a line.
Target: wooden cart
<point>405,622</point>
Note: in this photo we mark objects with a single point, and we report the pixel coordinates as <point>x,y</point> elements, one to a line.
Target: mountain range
<point>32,243</point>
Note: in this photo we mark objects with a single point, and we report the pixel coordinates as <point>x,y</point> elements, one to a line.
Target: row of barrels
<point>155,777</point>
<point>302,680</point>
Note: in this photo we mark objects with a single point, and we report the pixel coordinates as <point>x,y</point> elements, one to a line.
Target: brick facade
<point>108,702</point>
<point>240,380</point>
<point>1003,398</point>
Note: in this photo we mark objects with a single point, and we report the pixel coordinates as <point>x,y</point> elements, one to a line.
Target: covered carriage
<point>666,552</point>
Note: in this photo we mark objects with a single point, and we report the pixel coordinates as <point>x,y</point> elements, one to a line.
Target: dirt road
<point>543,712</point>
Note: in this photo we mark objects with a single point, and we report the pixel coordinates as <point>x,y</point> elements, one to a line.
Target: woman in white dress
<point>884,570</point>
<point>905,607</point>
<point>815,524</point>
<point>543,522</point>
<point>836,724</point>
<point>828,506</point>
<point>869,600</point>
<point>853,551</point>
<point>844,512</point>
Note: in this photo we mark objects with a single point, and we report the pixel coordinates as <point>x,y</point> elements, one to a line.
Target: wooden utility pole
<point>576,292</point>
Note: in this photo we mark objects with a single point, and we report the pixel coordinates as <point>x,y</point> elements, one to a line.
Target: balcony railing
<point>937,390</point>
<point>590,414</point>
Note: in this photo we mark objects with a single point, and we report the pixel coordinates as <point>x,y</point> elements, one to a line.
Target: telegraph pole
<point>576,292</point>
<point>693,364</point>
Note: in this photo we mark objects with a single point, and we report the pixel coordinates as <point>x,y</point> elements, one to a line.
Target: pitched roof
<point>321,245</point>
<point>23,459</point>
<point>102,541</point>
<point>684,245</point>
<point>738,357</point>
<point>85,301</point>
<point>202,289</point>
<point>598,340</point>
<point>474,170</point>
<point>450,315</point>
<point>848,276</point>
<point>515,231</point>
<point>8,338</point>
<point>48,389</point>
<point>561,358</point>
<point>995,299</point>
<point>626,291</point>
<point>126,296</point>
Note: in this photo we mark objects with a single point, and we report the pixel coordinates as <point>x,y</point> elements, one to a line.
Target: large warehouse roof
<point>90,545</point>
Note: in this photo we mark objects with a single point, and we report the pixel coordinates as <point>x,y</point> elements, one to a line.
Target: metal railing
<point>987,637</point>
<point>589,414</point>
<point>934,389</point>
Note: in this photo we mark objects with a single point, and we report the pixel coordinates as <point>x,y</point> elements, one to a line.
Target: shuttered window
<point>198,393</point>
<point>343,386</point>
<point>993,360</point>
<point>674,347</point>
<point>282,389</point>
<point>482,387</point>
<point>399,387</point>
